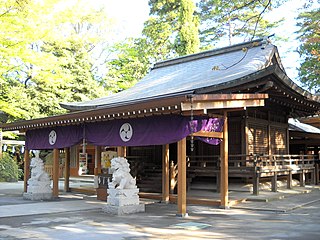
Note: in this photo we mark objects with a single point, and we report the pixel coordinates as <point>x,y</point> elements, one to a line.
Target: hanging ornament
<point>5,147</point>
<point>13,149</point>
<point>22,149</point>
<point>192,127</point>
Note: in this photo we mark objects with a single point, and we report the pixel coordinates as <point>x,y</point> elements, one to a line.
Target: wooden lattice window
<point>278,140</point>
<point>257,139</point>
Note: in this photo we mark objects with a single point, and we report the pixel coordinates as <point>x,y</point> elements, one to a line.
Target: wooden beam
<point>67,170</point>
<point>194,113</point>
<point>208,134</point>
<point>122,151</point>
<point>229,96</point>
<point>165,173</point>
<point>13,142</point>
<point>26,169</point>
<point>97,162</point>
<point>308,142</point>
<point>304,135</point>
<point>222,104</point>
<point>55,173</point>
<point>224,165</point>
<point>182,178</point>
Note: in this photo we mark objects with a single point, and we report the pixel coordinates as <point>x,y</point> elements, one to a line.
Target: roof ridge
<point>209,53</point>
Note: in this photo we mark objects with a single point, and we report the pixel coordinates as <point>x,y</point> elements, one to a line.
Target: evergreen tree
<point>170,31</point>
<point>225,19</point>
<point>187,41</point>
<point>309,70</point>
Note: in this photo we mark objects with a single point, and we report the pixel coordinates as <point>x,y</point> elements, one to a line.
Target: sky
<point>129,16</point>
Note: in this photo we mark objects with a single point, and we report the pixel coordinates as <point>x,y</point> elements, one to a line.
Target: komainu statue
<point>123,193</point>
<point>39,182</point>
<point>121,177</point>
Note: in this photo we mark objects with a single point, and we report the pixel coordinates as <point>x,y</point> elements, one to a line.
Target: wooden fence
<point>49,170</point>
<point>254,167</point>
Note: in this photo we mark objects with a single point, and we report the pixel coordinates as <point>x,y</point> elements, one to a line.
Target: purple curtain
<point>209,125</point>
<point>51,138</point>
<point>155,130</point>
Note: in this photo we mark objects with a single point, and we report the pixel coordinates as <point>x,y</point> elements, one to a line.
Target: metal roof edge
<point>281,74</point>
<point>75,107</point>
<point>123,103</point>
<point>239,81</point>
<point>209,53</point>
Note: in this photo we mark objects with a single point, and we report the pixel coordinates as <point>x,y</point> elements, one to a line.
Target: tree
<point>187,41</point>
<point>237,18</point>
<point>170,31</point>
<point>172,28</point>
<point>127,68</point>
<point>47,51</point>
<point>309,50</point>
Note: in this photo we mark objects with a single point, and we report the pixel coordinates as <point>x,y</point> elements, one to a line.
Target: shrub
<point>8,168</point>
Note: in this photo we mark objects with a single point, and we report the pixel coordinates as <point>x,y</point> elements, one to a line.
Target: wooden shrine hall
<point>236,99</point>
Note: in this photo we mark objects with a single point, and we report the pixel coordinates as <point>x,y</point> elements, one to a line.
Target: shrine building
<point>220,115</point>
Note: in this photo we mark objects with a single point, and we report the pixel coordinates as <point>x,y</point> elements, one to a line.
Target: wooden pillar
<point>182,178</point>
<point>165,173</point>
<point>245,149</point>
<point>289,180</point>
<point>122,151</point>
<point>97,162</point>
<point>287,139</point>
<point>317,173</point>
<point>218,178</point>
<point>26,169</point>
<point>55,174</point>
<point>67,170</point>
<point>224,164</point>
<point>269,135</point>
<point>313,177</point>
<point>274,180</point>
<point>256,177</point>
<point>302,178</point>
<point>256,180</point>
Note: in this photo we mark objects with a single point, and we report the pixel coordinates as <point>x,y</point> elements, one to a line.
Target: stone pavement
<point>287,214</point>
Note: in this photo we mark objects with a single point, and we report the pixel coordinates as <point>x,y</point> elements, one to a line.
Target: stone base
<point>37,196</point>
<point>123,197</point>
<point>122,210</point>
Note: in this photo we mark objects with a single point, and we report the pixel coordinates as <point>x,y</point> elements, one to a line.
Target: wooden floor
<point>201,194</point>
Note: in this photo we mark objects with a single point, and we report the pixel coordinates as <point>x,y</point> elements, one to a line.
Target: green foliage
<point>172,28</point>
<point>187,41</point>
<point>129,66</point>
<point>46,56</point>
<point>309,70</point>
<point>8,168</point>
<point>237,18</point>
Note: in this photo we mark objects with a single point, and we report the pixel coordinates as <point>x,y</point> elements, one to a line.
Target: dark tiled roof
<point>217,69</point>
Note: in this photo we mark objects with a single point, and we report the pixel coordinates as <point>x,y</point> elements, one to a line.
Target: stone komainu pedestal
<point>123,201</point>
<point>123,195</point>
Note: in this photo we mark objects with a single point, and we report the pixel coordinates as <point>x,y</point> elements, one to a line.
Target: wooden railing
<point>251,166</point>
<point>49,170</point>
